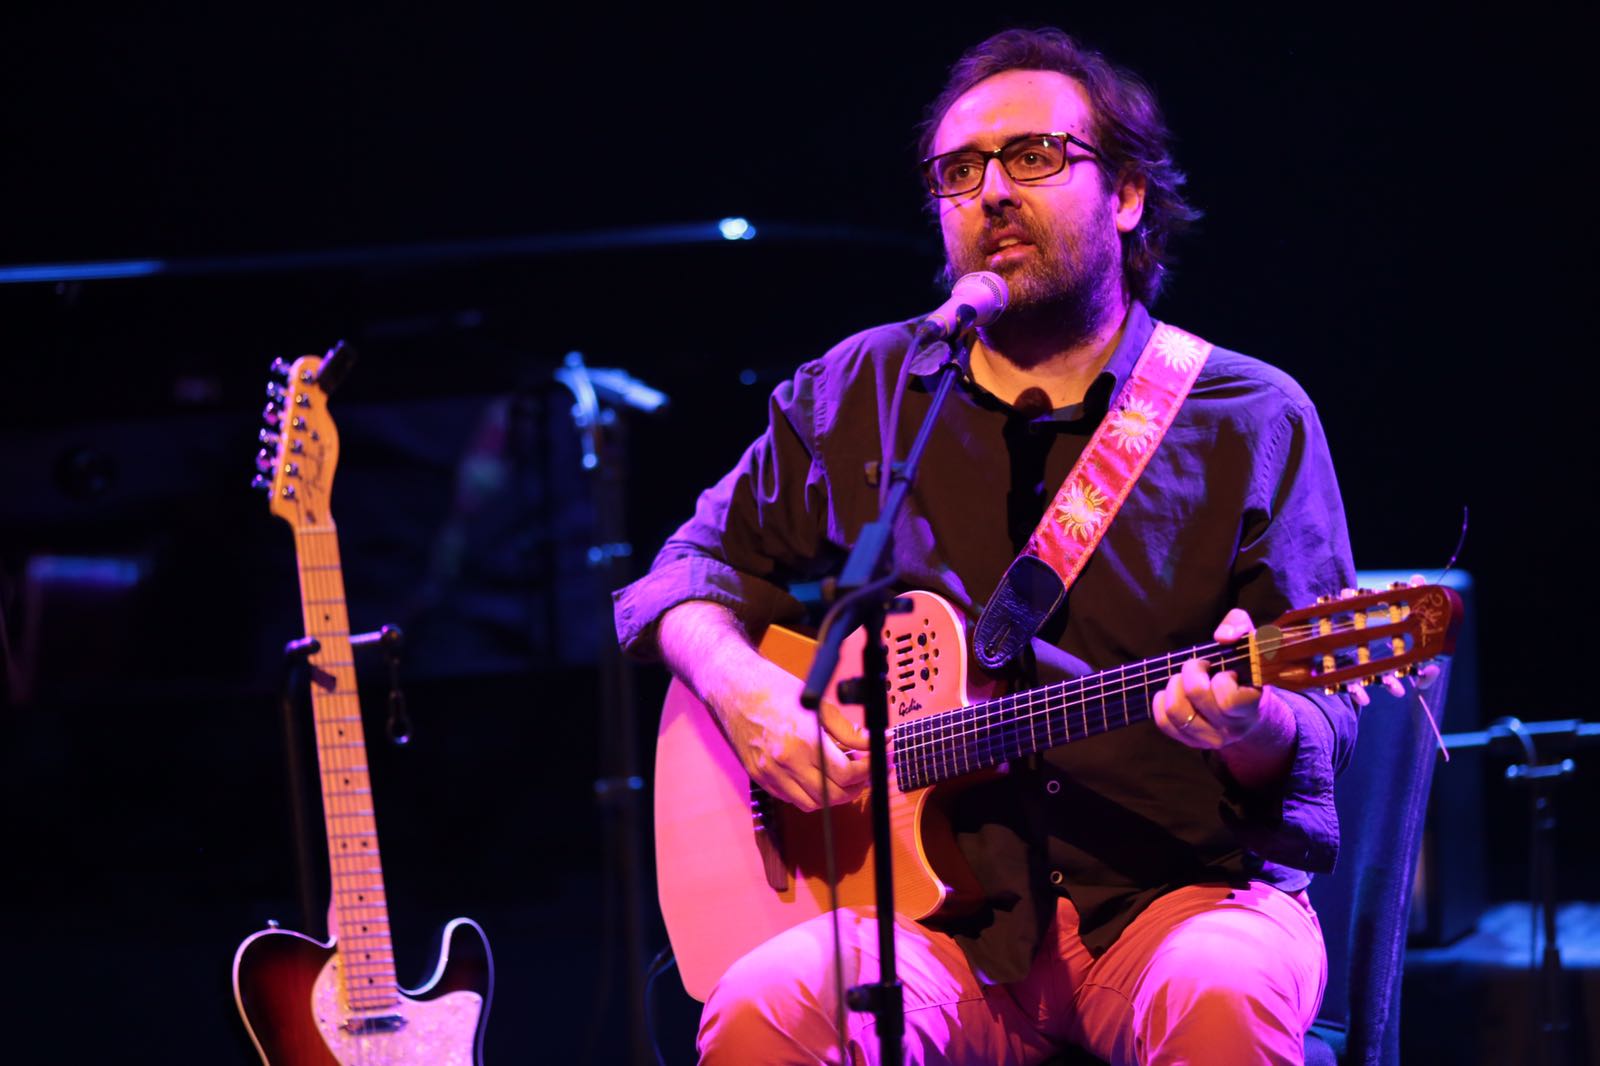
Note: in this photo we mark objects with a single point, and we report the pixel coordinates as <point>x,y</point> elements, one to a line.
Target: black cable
<point>664,961</point>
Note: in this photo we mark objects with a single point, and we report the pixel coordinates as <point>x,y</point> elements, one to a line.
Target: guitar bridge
<point>767,821</point>
<point>383,1023</point>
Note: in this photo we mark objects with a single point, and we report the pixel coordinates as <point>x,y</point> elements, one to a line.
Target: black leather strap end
<point>1029,593</point>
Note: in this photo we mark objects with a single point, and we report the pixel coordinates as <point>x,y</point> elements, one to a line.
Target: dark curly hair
<point>1127,128</point>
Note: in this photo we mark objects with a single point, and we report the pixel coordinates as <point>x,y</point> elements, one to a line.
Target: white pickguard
<point>438,1031</point>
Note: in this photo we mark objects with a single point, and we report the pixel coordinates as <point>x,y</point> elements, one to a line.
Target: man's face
<point>1055,241</point>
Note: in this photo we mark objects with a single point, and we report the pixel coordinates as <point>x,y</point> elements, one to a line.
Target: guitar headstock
<point>301,444</point>
<point>1355,640</point>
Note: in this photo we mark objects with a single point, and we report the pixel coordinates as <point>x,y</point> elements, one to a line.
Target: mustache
<point>1009,221</point>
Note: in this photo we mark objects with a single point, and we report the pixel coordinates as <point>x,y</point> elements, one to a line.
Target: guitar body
<point>735,867</point>
<point>286,986</point>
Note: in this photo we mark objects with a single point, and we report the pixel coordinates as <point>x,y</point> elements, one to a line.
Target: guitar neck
<point>360,906</point>
<point>983,735</point>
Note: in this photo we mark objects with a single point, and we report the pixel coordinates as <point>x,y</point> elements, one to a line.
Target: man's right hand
<point>758,705</point>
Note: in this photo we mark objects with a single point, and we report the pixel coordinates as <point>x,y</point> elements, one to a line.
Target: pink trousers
<point>1207,974</point>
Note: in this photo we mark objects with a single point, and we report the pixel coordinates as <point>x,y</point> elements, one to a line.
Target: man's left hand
<point>1253,729</point>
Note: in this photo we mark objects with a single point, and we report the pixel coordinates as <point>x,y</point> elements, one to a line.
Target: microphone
<point>976,299</point>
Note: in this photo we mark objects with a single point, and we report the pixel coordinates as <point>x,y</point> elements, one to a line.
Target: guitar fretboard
<point>983,735</point>
<point>360,905</point>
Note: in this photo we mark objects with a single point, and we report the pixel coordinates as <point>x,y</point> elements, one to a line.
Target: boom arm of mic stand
<point>872,547</point>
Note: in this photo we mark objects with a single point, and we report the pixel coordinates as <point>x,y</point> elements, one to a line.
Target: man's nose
<point>997,187</point>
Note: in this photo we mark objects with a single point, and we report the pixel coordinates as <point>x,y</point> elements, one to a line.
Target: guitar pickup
<point>384,1023</point>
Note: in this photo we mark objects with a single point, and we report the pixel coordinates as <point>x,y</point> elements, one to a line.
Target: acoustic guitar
<point>337,1002</point>
<point>736,866</point>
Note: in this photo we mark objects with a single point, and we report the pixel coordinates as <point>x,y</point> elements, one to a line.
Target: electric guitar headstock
<point>1357,639</point>
<point>301,443</point>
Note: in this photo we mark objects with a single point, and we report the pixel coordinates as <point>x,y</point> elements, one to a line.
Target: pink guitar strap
<point>1037,580</point>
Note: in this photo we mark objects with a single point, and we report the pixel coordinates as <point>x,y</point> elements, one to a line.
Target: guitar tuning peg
<point>272,416</point>
<point>261,483</point>
<point>275,392</point>
<point>281,368</point>
<point>264,461</point>
<point>269,438</point>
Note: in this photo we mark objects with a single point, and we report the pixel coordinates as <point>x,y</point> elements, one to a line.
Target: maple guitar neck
<point>359,906</point>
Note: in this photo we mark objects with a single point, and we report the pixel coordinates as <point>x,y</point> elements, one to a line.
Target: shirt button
<point>1055,877</point>
<point>1052,786</point>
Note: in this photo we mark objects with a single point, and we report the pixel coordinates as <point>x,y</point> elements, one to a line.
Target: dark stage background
<point>1396,213</point>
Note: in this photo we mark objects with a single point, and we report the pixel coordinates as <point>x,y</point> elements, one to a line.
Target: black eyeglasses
<point>1031,157</point>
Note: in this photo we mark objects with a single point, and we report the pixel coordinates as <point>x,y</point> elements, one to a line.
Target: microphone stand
<point>865,601</point>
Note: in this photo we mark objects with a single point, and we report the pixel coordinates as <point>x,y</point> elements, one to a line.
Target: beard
<point>1063,294</point>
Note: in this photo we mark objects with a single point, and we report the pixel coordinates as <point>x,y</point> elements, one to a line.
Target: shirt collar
<point>1137,327</point>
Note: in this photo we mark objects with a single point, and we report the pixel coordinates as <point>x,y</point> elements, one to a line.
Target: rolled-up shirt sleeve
<point>1294,547</point>
<point>759,528</point>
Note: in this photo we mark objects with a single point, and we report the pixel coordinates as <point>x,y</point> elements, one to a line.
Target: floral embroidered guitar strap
<point>1037,580</point>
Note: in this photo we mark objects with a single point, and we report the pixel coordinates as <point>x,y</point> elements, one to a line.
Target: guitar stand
<point>294,673</point>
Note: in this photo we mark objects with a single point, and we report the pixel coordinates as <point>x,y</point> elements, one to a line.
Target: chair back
<point>1365,904</point>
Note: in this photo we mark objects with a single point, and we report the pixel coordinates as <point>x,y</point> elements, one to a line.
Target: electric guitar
<point>338,1003</point>
<point>736,866</point>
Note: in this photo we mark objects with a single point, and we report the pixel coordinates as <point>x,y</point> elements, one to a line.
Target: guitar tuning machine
<point>281,367</point>
<point>270,439</point>
<point>272,416</point>
<point>261,483</point>
<point>288,492</point>
<point>276,392</point>
<point>264,461</point>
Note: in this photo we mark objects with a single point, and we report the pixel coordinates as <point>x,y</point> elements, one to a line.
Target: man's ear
<point>1130,204</point>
